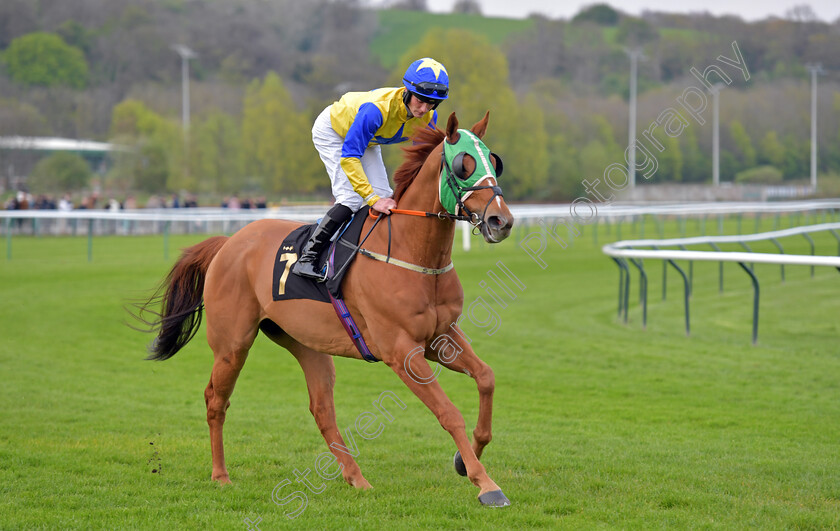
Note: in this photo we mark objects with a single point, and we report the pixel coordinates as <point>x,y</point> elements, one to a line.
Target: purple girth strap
<point>346,319</point>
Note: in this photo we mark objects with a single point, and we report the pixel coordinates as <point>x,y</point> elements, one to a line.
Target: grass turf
<point>596,423</point>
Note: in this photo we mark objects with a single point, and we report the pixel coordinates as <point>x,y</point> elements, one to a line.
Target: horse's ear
<point>481,127</point>
<point>452,134</point>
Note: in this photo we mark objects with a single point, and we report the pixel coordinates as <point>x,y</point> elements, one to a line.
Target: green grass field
<point>597,423</point>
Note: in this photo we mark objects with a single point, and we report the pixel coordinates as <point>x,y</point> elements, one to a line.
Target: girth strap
<point>348,322</point>
<point>352,329</point>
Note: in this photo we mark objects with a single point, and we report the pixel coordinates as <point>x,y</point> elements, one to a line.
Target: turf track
<point>596,423</point>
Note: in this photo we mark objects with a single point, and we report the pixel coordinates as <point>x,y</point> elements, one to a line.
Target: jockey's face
<point>417,107</point>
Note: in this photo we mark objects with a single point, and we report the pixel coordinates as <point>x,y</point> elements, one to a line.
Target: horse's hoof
<point>459,464</point>
<point>494,498</point>
<point>220,476</point>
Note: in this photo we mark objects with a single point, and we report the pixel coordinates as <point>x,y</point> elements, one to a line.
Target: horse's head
<point>469,180</point>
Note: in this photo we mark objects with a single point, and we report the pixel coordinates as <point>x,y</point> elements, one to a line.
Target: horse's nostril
<point>495,222</point>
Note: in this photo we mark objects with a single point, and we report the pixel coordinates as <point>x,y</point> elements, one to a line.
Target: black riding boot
<point>307,264</point>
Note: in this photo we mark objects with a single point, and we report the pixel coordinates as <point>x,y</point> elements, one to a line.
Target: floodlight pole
<point>635,54</point>
<point>715,90</point>
<point>186,54</point>
<point>814,69</point>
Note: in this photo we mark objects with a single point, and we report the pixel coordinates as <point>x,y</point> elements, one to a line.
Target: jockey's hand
<point>384,205</point>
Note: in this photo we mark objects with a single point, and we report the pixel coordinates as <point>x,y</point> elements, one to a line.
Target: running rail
<point>522,212</point>
<point>628,250</point>
<point>214,220</point>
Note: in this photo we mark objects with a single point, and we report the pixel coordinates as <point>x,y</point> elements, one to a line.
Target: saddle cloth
<point>286,285</point>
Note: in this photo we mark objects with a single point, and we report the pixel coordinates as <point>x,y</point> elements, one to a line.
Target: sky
<point>750,10</point>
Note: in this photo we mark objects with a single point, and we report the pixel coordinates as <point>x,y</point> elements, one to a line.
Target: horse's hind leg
<point>230,336</point>
<point>319,370</point>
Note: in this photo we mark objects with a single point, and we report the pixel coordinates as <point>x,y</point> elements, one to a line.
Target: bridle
<point>462,192</point>
<point>451,177</point>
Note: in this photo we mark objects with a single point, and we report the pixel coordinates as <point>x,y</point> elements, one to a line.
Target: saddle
<point>339,254</point>
<point>286,285</point>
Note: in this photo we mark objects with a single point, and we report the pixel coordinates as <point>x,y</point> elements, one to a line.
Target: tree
<point>528,152</point>
<point>796,162</point>
<point>634,31</point>
<point>728,165</point>
<point>44,59</point>
<point>17,17</point>
<point>21,119</point>
<point>538,53</point>
<point>593,159</point>
<point>671,161</point>
<point>277,147</point>
<point>697,166</point>
<point>151,167</point>
<point>743,143</point>
<point>759,174</point>
<point>771,151</point>
<point>216,153</point>
<point>565,179</point>
<point>801,13</point>
<point>133,118</point>
<point>601,14</point>
<point>467,7</point>
<point>157,163</point>
<point>411,5</point>
<point>76,35</point>
<point>61,171</point>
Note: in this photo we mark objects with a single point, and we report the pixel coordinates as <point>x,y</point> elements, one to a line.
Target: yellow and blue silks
<point>364,119</point>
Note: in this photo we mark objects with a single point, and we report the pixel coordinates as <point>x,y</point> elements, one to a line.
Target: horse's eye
<point>497,163</point>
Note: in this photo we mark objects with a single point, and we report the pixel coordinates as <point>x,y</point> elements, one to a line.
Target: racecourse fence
<point>634,252</point>
<point>602,220</point>
<point>221,220</point>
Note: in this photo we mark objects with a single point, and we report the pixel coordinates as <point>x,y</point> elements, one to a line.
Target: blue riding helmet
<point>427,80</point>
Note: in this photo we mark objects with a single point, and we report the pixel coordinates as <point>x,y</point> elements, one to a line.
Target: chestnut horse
<point>397,310</point>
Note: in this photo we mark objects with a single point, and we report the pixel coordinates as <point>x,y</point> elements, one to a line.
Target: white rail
<point>221,220</point>
<point>628,248</point>
<point>626,251</point>
<point>522,212</point>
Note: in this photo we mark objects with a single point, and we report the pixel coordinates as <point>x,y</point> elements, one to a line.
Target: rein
<point>421,213</point>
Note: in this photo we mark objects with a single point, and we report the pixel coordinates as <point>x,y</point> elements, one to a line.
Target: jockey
<point>348,136</point>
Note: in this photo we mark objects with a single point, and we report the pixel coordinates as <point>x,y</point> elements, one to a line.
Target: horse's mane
<point>425,140</point>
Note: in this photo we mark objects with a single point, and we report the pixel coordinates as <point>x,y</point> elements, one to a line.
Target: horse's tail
<point>180,297</point>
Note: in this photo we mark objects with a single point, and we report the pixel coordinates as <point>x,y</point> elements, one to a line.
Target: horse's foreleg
<point>467,362</point>
<point>420,379</point>
<point>319,370</point>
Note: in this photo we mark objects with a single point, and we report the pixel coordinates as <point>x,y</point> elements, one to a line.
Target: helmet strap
<point>406,98</point>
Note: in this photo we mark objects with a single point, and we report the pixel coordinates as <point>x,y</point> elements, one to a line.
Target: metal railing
<point>609,219</point>
<point>626,253</point>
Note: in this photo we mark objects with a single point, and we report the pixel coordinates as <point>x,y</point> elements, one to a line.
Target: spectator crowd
<point>26,201</point>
